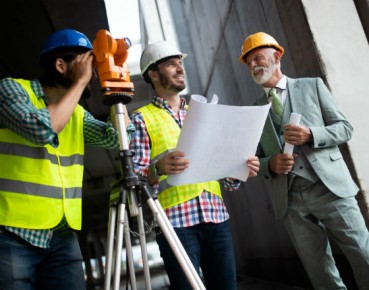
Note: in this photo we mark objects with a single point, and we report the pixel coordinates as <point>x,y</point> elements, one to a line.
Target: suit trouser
<point>312,212</point>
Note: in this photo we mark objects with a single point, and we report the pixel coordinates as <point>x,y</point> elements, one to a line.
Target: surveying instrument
<point>110,57</point>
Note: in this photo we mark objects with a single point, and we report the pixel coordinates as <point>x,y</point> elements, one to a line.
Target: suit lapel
<point>295,95</point>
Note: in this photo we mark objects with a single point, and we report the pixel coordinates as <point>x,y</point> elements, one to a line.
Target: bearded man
<point>43,132</point>
<point>312,189</point>
<point>196,211</point>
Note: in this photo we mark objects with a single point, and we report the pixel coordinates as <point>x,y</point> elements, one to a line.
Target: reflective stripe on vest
<point>38,189</point>
<point>164,133</point>
<point>39,153</point>
<point>40,184</point>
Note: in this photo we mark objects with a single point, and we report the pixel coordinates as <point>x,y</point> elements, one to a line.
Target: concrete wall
<point>342,44</point>
<point>212,32</point>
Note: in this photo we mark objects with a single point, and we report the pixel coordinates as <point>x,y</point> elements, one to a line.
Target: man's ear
<point>152,74</point>
<point>60,65</point>
<point>277,56</point>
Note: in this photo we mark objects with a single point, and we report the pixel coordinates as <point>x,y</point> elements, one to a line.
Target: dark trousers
<point>210,247</point>
<point>25,267</point>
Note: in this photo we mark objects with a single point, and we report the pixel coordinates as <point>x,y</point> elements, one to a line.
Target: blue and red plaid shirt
<point>205,208</point>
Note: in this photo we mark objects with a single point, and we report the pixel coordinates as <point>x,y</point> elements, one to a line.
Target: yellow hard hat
<point>259,39</point>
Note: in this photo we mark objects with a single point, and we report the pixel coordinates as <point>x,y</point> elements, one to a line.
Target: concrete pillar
<point>343,48</point>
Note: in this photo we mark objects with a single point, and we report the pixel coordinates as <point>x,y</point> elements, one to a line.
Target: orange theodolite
<point>110,57</point>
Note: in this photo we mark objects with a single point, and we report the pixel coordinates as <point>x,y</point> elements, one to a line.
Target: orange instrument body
<point>110,57</point>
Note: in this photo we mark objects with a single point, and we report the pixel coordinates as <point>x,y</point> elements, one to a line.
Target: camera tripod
<point>131,189</point>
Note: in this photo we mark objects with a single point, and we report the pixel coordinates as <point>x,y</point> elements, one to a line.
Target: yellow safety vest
<point>41,184</point>
<point>164,133</point>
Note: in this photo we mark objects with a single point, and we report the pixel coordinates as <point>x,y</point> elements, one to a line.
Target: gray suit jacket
<point>312,99</point>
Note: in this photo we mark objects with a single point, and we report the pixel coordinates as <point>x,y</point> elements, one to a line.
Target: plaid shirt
<point>15,105</point>
<point>206,207</point>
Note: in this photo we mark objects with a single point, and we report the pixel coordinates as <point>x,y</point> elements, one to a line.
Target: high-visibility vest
<point>41,184</point>
<point>164,133</point>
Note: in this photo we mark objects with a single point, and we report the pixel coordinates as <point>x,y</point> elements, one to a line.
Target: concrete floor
<point>257,284</point>
<point>161,282</point>
<point>259,278</point>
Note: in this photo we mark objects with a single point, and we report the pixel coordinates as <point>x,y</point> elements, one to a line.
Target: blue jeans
<point>210,247</point>
<point>25,267</point>
<point>313,212</point>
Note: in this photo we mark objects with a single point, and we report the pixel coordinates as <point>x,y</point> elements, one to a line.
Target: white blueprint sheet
<point>218,139</point>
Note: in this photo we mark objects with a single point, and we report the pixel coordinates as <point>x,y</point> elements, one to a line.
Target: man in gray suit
<point>312,189</point>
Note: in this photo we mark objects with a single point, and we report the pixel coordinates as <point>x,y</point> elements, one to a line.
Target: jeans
<point>25,267</point>
<point>208,246</point>
<point>312,213</point>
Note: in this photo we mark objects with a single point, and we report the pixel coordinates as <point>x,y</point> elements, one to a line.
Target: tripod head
<point>110,57</point>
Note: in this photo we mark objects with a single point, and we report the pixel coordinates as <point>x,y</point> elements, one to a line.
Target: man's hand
<point>297,134</point>
<point>172,163</point>
<point>281,163</point>
<point>62,101</point>
<point>82,68</point>
<point>254,165</point>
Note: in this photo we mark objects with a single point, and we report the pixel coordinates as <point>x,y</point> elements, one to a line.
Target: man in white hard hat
<point>312,189</point>
<point>196,212</point>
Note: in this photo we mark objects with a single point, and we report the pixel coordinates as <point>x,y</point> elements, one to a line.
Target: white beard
<point>266,74</point>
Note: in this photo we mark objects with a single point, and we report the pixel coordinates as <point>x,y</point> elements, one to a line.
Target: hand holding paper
<point>218,139</point>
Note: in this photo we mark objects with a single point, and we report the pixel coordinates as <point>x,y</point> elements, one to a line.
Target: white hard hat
<point>154,52</point>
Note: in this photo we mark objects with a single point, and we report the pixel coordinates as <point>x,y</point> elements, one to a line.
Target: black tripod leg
<point>145,262</point>
<point>128,245</point>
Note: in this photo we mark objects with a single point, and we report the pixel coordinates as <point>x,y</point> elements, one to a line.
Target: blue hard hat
<point>65,38</point>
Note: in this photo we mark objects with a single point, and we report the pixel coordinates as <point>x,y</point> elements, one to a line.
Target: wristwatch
<point>153,171</point>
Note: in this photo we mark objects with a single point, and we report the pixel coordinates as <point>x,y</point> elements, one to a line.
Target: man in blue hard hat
<point>43,132</point>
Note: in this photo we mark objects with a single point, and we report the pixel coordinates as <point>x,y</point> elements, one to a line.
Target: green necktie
<point>277,106</point>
